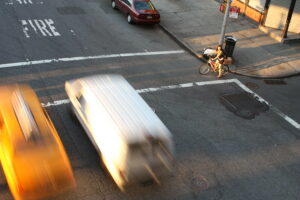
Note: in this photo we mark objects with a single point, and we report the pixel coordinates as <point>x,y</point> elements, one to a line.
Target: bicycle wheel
<point>204,69</point>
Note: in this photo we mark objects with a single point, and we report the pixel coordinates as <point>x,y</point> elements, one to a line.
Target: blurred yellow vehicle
<point>32,155</point>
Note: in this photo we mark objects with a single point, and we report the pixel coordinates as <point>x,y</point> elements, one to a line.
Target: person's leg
<point>213,65</point>
<point>219,70</point>
<point>217,63</point>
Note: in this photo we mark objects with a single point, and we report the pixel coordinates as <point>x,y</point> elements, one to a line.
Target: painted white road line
<point>56,103</point>
<point>274,109</point>
<point>23,2</point>
<point>11,2</point>
<point>186,85</point>
<point>41,27</point>
<point>56,60</point>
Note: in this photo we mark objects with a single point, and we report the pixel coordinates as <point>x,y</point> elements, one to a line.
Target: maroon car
<point>137,11</point>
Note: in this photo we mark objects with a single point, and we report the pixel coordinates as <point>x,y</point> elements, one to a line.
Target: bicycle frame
<point>212,64</point>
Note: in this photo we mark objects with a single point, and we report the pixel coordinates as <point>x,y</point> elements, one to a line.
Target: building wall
<point>256,4</point>
<point>278,12</point>
<point>250,11</point>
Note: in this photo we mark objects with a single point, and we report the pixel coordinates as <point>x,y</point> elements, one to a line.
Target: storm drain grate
<point>243,104</point>
<point>275,82</point>
<point>72,10</point>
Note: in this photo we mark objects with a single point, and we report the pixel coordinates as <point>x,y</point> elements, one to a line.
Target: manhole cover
<point>275,82</point>
<point>251,85</point>
<point>243,104</point>
<point>72,10</point>
<point>199,183</point>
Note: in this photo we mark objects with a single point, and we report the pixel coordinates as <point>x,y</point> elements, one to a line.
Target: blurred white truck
<point>133,142</point>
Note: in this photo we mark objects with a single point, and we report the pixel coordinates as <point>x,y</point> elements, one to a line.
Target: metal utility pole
<point>288,20</point>
<point>266,10</point>
<point>224,22</point>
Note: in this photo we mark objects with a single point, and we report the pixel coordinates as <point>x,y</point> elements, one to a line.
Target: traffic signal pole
<point>222,35</point>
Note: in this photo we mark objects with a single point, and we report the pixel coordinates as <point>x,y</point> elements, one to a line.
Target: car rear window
<point>28,124</point>
<point>143,5</point>
<point>45,144</point>
<point>24,116</point>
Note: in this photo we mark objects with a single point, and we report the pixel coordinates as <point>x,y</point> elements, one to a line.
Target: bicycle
<point>210,66</point>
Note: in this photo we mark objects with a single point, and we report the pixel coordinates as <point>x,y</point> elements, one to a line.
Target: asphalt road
<point>219,155</point>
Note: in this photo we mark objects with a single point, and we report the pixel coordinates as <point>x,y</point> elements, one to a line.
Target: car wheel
<point>129,19</point>
<point>113,4</point>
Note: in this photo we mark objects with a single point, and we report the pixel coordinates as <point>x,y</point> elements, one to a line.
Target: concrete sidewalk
<point>196,24</point>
